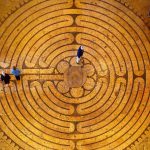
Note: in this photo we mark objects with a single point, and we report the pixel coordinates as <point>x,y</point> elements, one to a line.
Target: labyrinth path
<point>101,104</point>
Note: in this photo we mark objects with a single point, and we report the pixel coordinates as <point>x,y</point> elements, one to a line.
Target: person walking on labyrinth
<point>5,77</point>
<point>16,72</point>
<point>79,54</point>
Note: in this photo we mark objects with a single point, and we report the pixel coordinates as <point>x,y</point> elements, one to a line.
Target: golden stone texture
<point>108,108</point>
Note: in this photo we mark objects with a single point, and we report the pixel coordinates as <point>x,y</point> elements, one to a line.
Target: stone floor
<point>102,103</point>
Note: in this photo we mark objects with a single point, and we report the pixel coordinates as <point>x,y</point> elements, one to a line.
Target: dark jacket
<point>5,78</point>
<point>80,52</point>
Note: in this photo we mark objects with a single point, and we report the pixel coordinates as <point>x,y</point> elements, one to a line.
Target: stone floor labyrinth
<point>101,104</point>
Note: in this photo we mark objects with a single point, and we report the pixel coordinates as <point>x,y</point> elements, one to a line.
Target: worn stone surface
<point>108,108</point>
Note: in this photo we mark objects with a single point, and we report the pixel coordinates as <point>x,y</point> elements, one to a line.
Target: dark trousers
<point>17,77</point>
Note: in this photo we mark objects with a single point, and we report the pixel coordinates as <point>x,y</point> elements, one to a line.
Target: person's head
<point>3,73</point>
<point>14,67</point>
<point>82,48</point>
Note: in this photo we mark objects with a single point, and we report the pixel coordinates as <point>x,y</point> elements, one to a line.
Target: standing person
<point>79,54</point>
<point>5,77</point>
<point>16,72</point>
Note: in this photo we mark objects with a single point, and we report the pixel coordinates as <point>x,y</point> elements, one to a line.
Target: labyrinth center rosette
<point>110,108</point>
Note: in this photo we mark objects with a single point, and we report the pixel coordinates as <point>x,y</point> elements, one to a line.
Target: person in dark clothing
<point>5,77</point>
<point>16,72</point>
<point>79,54</point>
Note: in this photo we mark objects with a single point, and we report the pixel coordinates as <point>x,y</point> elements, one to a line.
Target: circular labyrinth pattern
<point>110,111</point>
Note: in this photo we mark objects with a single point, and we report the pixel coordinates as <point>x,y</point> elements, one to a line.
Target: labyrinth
<point>102,103</point>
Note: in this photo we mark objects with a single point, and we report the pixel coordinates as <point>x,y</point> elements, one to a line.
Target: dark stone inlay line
<point>129,120</point>
<point>126,123</point>
<point>29,121</point>
<point>124,28</point>
<point>28,24</point>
